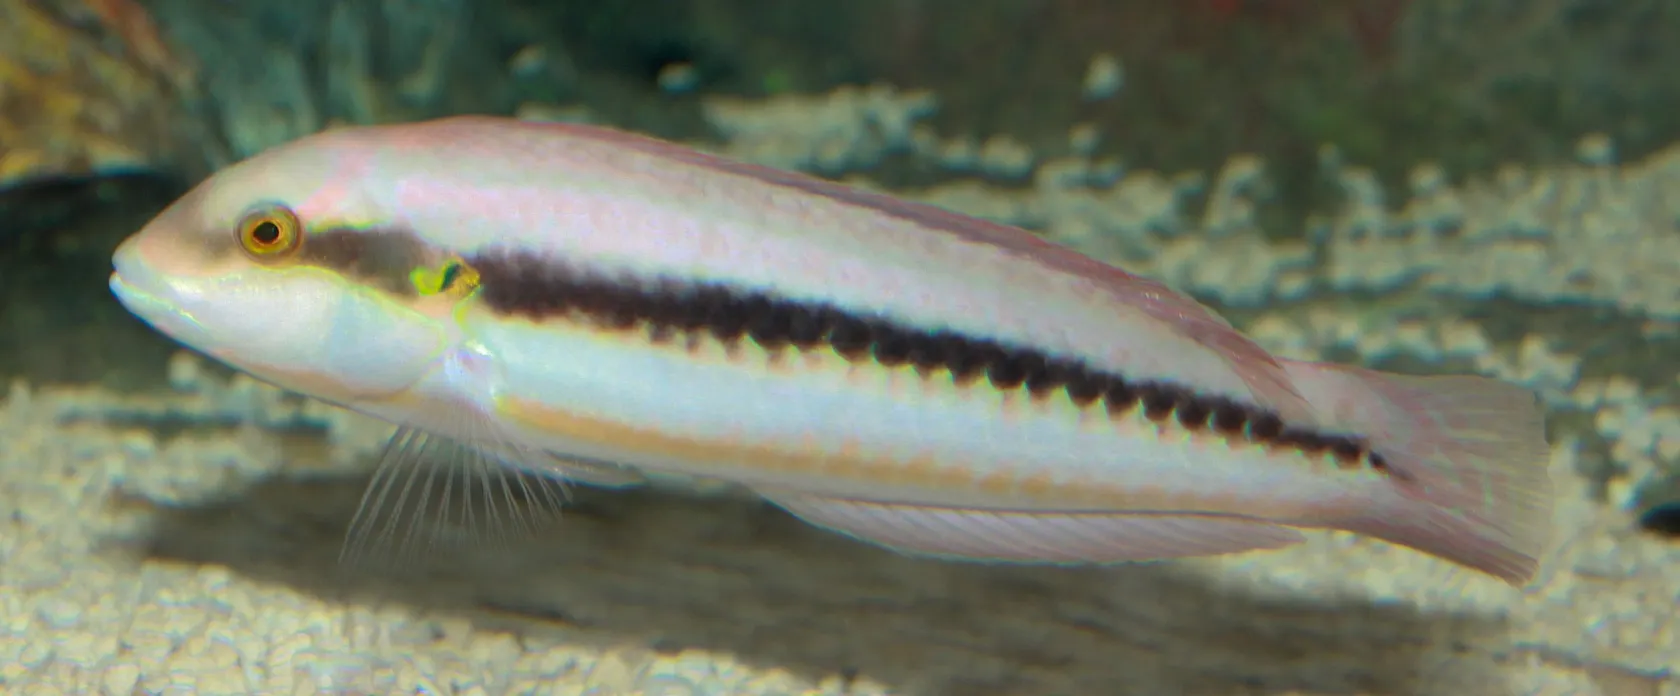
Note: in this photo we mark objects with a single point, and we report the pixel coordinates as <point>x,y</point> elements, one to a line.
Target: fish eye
<point>270,232</point>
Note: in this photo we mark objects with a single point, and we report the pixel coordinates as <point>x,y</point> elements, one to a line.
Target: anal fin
<point>566,467</point>
<point>588,472</point>
<point>1035,537</point>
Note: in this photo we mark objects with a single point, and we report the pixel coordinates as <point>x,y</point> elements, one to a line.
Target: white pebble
<point>1463,338</point>
<point>1005,156</point>
<point>678,78</point>
<point>1104,77</point>
<point>1596,149</point>
<point>529,61</point>
<point>1621,390</point>
<point>1427,179</point>
<point>1083,138</point>
<point>121,680</point>
<point>184,372</point>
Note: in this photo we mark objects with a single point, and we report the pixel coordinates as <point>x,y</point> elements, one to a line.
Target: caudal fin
<point>1468,457</point>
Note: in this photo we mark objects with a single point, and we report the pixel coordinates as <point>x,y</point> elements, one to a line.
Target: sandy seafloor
<point>186,541</point>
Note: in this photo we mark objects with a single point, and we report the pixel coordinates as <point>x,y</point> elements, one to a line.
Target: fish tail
<point>1467,457</point>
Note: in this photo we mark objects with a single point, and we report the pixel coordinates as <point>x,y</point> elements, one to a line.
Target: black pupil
<point>266,233</point>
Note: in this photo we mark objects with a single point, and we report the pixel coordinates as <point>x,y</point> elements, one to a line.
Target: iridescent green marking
<point>451,275</point>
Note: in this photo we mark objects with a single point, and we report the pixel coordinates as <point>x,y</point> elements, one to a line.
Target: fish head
<point>288,267</point>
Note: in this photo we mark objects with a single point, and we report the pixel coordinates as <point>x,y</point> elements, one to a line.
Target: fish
<point>593,306</point>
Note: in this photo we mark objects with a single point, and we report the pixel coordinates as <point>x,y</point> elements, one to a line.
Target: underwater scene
<point>865,348</point>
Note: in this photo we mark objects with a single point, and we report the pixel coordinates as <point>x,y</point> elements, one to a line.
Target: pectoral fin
<point>1034,537</point>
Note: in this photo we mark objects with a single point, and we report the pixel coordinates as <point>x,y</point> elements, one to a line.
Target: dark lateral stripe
<point>521,284</point>
<point>382,258</point>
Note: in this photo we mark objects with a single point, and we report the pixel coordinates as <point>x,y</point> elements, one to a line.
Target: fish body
<point>599,305</point>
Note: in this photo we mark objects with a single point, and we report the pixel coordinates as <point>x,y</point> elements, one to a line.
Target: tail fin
<point>1468,457</point>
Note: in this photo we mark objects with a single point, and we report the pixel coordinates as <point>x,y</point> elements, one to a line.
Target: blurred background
<point>1488,186</point>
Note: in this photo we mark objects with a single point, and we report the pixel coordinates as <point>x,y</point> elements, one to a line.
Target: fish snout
<point>146,292</point>
<point>135,272</point>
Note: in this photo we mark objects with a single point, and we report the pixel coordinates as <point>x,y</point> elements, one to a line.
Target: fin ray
<point>1469,460</point>
<point>430,490</point>
<point>1032,537</point>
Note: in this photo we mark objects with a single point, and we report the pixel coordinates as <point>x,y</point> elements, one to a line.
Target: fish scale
<point>599,305</point>
<point>897,422</point>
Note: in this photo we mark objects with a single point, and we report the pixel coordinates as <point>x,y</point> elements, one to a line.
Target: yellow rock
<point>74,102</point>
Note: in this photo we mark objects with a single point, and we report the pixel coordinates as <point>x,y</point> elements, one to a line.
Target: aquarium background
<point>1488,186</point>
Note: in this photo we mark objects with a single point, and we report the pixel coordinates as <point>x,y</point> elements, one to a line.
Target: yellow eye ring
<point>270,232</point>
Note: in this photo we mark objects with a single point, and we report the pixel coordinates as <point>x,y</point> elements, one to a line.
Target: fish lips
<point>151,299</point>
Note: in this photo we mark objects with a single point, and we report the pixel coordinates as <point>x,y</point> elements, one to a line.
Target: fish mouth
<point>133,272</point>
<point>148,295</point>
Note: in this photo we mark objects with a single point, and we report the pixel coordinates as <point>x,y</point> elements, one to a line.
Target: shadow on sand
<point>677,572</point>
